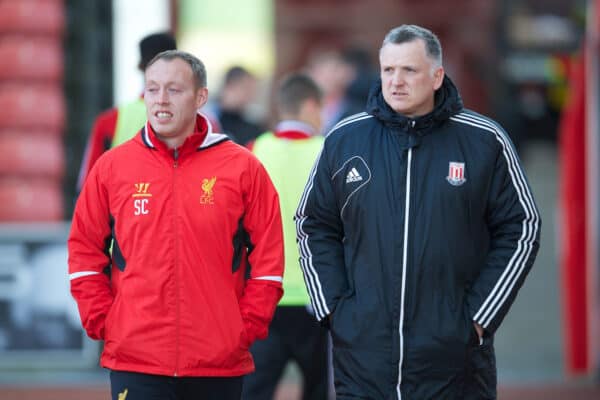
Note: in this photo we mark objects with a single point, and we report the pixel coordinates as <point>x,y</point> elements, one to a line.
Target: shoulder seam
<point>349,120</point>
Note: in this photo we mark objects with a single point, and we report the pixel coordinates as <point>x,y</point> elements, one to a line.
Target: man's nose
<point>398,78</point>
<point>163,96</point>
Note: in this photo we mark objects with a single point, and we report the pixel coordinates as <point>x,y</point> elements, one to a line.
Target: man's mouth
<point>163,114</point>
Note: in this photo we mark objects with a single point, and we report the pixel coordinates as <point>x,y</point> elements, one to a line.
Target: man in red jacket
<point>196,266</point>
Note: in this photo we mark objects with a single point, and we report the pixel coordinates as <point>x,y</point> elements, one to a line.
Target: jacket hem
<point>197,372</point>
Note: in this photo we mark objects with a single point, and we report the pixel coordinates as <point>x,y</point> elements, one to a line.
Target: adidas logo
<point>353,176</point>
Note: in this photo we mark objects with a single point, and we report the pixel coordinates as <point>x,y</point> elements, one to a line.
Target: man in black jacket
<point>416,230</point>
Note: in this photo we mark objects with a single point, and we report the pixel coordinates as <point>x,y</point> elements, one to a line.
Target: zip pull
<point>175,156</point>
<point>413,123</point>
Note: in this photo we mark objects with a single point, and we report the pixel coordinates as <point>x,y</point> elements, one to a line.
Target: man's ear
<point>201,97</point>
<point>438,77</point>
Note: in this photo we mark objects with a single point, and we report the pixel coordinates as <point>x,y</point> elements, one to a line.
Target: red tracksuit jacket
<point>197,260</point>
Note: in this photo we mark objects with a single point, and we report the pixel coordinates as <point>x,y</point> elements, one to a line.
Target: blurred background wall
<point>519,61</point>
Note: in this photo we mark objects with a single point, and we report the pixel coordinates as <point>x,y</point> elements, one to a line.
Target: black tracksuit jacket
<point>409,230</point>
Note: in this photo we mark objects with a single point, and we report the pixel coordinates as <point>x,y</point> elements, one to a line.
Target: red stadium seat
<point>30,106</point>
<point>26,154</point>
<point>34,16</point>
<point>31,57</point>
<point>26,200</point>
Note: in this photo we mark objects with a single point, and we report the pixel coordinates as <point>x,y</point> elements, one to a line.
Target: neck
<point>176,139</point>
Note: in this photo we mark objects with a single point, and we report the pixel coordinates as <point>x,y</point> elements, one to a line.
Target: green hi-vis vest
<point>288,163</point>
<point>130,119</point>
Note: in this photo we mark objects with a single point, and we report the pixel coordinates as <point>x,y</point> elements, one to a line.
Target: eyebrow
<point>170,83</point>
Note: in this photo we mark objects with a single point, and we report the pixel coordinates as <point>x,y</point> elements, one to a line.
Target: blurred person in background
<point>237,94</point>
<point>364,75</point>
<point>186,212</point>
<point>118,124</point>
<point>288,154</point>
<point>333,75</point>
<point>416,230</point>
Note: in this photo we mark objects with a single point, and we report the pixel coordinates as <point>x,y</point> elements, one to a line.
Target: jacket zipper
<point>404,267</point>
<point>176,261</point>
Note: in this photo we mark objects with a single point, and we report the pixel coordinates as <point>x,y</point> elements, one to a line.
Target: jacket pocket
<point>357,325</point>
<point>109,320</point>
<point>338,327</point>
<point>244,339</point>
<point>481,379</point>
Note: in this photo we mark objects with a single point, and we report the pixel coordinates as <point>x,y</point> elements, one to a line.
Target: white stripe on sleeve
<point>273,278</point>
<point>530,224</point>
<point>81,274</point>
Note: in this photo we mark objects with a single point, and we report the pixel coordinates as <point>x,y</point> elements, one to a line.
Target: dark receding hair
<point>409,33</point>
<point>294,90</point>
<point>198,69</point>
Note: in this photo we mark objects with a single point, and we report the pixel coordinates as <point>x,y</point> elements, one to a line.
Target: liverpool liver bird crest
<point>207,186</point>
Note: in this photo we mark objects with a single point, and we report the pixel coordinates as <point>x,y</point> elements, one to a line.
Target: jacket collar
<point>447,104</point>
<point>202,138</point>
